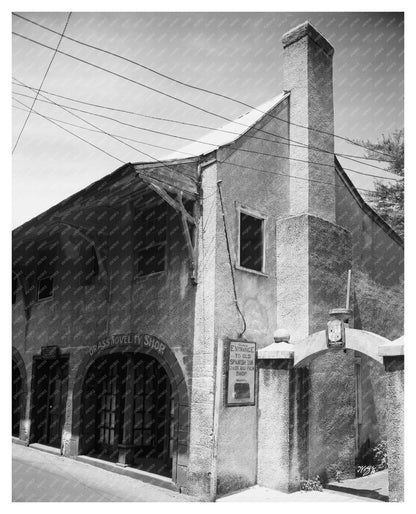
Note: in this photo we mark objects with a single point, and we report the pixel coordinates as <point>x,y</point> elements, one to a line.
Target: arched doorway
<point>17,397</point>
<point>127,413</point>
<point>341,410</point>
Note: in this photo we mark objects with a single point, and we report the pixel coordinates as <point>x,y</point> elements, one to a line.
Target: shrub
<point>380,456</point>
<point>313,484</point>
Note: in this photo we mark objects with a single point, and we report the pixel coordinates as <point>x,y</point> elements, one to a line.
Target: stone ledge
<point>394,349</point>
<point>277,351</point>
<point>306,29</point>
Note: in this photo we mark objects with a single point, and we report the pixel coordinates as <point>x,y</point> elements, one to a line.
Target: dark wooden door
<point>108,407</point>
<point>16,399</point>
<point>51,378</point>
<point>152,413</point>
<point>141,420</point>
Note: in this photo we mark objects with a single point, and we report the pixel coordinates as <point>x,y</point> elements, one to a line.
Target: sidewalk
<point>43,477</point>
<point>262,494</point>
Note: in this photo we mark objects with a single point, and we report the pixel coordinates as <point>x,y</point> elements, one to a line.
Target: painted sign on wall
<point>241,376</point>
<point>140,340</point>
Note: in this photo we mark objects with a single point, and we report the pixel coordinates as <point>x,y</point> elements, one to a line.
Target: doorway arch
<point>19,392</point>
<point>146,349</point>
<point>361,341</point>
<point>340,414</point>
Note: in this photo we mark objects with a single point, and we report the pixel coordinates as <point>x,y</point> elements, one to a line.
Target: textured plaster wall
<point>118,301</point>
<point>375,252</point>
<point>266,192</point>
<point>329,261</point>
<point>273,425</point>
<point>313,258</point>
<point>374,405</point>
<point>332,415</point>
<point>78,315</point>
<point>395,426</point>
<point>202,467</point>
<point>308,75</point>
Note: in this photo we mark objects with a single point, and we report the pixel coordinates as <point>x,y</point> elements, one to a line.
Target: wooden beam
<point>171,201</point>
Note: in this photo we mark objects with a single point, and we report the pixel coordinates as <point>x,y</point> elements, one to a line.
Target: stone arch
<point>154,347</point>
<point>17,361</point>
<point>328,401</point>
<point>358,340</point>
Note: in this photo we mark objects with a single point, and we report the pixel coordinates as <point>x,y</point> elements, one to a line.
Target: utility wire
<point>99,132</point>
<point>166,94</point>
<point>113,137</point>
<point>41,84</point>
<point>72,133</point>
<point>230,259</point>
<point>220,129</point>
<point>222,162</point>
<point>202,142</point>
<point>123,122</point>
<point>89,143</point>
<point>196,87</point>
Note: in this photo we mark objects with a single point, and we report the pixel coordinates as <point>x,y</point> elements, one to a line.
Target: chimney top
<point>307,29</point>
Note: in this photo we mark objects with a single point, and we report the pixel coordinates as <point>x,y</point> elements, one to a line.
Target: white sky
<point>237,54</point>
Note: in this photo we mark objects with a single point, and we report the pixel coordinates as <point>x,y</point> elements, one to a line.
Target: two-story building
<point>123,292</point>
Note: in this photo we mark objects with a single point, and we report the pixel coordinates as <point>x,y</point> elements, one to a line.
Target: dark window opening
<point>46,262</point>
<point>151,245</point>
<point>14,288</point>
<point>90,266</point>
<point>45,288</point>
<point>251,242</point>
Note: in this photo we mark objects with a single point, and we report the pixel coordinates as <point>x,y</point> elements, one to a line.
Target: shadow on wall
<point>332,416</point>
<point>378,308</point>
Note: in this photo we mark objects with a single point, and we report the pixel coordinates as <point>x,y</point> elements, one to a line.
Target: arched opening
<point>49,395</point>
<point>19,394</point>
<point>341,410</point>
<point>343,414</point>
<point>127,412</point>
<point>17,398</point>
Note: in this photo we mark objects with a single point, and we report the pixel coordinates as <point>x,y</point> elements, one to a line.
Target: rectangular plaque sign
<point>241,373</point>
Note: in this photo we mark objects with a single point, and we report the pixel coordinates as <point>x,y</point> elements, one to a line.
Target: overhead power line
<point>86,141</point>
<point>178,122</point>
<point>41,84</point>
<point>112,136</point>
<point>224,162</point>
<point>213,146</point>
<point>168,95</point>
<point>70,132</point>
<point>99,132</point>
<point>186,84</point>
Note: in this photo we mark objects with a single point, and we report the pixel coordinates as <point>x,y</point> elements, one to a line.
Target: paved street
<point>262,494</point>
<point>42,477</point>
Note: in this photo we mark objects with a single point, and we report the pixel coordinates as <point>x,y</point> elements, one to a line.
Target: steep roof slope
<point>229,132</point>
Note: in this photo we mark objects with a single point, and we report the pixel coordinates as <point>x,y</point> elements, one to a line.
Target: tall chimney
<point>308,77</point>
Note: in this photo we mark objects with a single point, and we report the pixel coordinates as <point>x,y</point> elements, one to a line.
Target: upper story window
<point>151,242</point>
<point>46,259</point>
<point>14,288</point>
<point>44,288</point>
<point>251,253</point>
<point>90,268</point>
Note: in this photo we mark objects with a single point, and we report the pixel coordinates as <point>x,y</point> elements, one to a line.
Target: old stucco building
<point>127,294</point>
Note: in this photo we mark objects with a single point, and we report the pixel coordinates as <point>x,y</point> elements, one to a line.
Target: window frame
<point>93,255</point>
<point>37,288</point>
<point>15,287</point>
<point>164,244</point>
<point>258,215</point>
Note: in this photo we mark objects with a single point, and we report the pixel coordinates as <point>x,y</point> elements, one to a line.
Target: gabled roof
<point>231,131</point>
<point>364,205</point>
